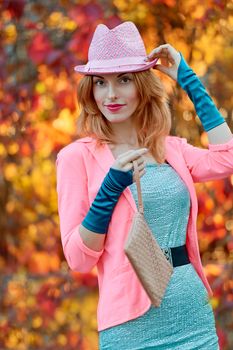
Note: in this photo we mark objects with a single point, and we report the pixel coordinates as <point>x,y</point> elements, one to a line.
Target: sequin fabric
<point>185,318</point>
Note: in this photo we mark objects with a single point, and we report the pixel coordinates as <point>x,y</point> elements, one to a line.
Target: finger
<point>164,61</point>
<point>125,153</point>
<point>163,55</point>
<point>141,169</point>
<point>141,166</point>
<point>162,68</point>
<point>154,55</point>
<point>160,49</point>
<point>140,161</point>
<point>165,50</point>
<point>133,155</point>
<point>141,173</point>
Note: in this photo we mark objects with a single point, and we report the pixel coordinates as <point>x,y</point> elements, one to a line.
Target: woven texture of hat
<point>147,259</point>
<point>122,41</point>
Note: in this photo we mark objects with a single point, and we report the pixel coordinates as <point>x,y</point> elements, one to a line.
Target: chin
<point>119,119</point>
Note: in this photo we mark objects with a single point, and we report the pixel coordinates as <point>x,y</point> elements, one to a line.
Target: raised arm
<point>213,122</point>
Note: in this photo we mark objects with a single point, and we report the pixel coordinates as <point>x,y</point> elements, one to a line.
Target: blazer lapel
<point>105,159</point>
<point>172,155</point>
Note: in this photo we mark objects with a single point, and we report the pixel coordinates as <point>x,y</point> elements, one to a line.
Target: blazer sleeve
<point>73,205</point>
<point>213,163</point>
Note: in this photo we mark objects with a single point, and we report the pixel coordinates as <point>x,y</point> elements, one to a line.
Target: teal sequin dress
<point>185,318</point>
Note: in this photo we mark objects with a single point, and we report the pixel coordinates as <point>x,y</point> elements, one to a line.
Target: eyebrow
<point>98,76</point>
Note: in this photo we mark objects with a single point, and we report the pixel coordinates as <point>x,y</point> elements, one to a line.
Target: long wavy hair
<point>152,117</point>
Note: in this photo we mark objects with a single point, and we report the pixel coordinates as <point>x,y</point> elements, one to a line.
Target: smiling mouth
<point>116,108</point>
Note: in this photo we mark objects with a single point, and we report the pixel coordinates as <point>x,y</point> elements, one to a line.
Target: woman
<point>97,195</point>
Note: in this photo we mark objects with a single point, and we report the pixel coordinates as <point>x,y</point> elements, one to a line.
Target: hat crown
<point>120,49</point>
<point>121,41</point>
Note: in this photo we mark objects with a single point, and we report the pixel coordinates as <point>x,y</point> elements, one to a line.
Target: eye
<point>101,81</point>
<point>97,81</point>
<point>125,78</point>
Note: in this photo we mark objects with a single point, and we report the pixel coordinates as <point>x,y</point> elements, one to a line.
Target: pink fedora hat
<point>120,49</point>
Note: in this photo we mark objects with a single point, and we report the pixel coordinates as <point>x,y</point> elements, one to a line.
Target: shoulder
<point>176,140</point>
<point>75,149</point>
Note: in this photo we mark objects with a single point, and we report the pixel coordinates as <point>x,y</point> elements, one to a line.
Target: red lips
<point>114,105</point>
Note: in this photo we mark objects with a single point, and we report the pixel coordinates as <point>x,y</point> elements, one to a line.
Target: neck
<point>125,134</point>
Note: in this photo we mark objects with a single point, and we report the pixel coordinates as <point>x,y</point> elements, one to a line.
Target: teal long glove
<point>204,105</point>
<point>100,212</point>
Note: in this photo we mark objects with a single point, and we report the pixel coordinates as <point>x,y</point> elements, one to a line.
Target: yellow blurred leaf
<point>13,148</point>
<point>214,302</point>
<point>218,219</point>
<point>198,12</point>
<point>60,316</point>
<point>10,33</point>
<point>2,150</point>
<point>40,87</point>
<point>213,269</point>
<point>10,171</point>
<point>68,24</point>
<point>37,322</point>
<point>65,121</point>
<point>61,339</point>
<point>55,19</point>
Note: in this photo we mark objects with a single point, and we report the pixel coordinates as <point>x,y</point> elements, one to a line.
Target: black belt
<point>177,256</point>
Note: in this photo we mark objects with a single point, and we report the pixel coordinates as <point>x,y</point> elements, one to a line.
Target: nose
<point>111,92</point>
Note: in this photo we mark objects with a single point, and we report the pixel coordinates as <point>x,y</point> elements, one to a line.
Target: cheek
<point>98,96</point>
<point>133,97</point>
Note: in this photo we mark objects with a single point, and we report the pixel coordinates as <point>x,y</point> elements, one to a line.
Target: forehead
<point>109,76</point>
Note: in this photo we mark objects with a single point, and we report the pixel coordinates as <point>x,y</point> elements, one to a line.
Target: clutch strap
<point>138,184</point>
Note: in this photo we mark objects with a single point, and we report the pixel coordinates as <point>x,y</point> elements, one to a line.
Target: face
<point>115,89</point>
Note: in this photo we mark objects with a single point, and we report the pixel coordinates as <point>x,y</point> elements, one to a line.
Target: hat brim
<point>118,69</point>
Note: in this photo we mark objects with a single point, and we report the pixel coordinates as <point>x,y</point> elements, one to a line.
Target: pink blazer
<point>81,169</point>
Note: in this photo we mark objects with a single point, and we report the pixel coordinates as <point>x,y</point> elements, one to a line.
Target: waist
<point>177,256</point>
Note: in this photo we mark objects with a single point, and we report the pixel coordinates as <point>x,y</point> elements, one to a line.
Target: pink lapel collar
<point>105,159</point>
<point>176,160</point>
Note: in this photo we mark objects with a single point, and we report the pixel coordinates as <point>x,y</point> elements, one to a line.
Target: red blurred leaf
<point>46,300</point>
<point>25,149</point>
<point>15,7</point>
<point>80,43</point>
<point>39,48</point>
<point>85,279</point>
<point>94,11</point>
<point>77,14</point>
<point>86,14</point>
<point>169,3</point>
<point>65,99</point>
<point>222,338</point>
<point>35,102</point>
<point>31,25</point>
<point>53,57</point>
<point>89,280</point>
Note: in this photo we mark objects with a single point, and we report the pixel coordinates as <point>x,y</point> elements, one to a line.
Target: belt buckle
<point>168,254</point>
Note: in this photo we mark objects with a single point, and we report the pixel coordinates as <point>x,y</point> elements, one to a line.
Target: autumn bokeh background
<point>44,305</point>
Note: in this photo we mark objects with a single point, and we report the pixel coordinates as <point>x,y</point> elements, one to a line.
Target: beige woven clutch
<point>145,255</point>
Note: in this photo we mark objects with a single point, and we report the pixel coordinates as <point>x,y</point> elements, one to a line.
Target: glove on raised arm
<point>204,105</point>
<point>100,212</point>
